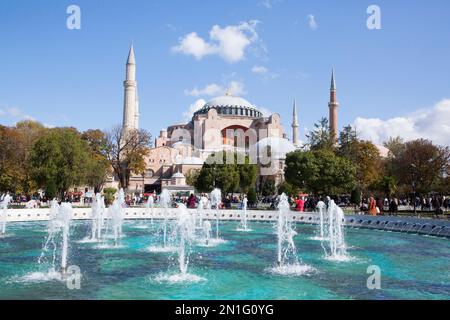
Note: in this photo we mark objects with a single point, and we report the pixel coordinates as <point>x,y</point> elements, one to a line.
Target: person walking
<point>372,206</point>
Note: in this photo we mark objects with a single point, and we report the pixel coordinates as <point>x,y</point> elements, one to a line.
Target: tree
<point>396,147</point>
<point>192,176</point>
<point>320,172</point>
<point>15,143</point>
<point>247,174</point>
<point>109,195</point>
<point>268,188</point>
<point>99,167</point>
<point>28,131</point>
<point>252,196</point>
<point>364,155</point>
<point>386,185</point>
<point>59,160</point>
<point>126,151</point>
<point>356,197</point>
<point>11,172</point>
<point>421,162</point>
<point>229,177</point>
<point>288,189</point>
<point>320,137</point>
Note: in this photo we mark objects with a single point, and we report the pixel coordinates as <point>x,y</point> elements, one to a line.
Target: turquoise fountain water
<point>274,261</point>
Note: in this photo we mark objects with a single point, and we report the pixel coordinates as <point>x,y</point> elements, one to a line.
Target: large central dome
<point>231,106</point>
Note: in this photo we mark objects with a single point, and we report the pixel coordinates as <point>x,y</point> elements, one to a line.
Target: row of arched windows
<point>234,110</point>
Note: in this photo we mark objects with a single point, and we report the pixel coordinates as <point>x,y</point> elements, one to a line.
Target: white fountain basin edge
<point>439,228</point>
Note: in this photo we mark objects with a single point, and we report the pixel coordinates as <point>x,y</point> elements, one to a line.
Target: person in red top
<point>191,201</point>
<point>301,205</point>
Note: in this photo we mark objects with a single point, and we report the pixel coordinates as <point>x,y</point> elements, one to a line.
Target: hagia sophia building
<point>225,123</point>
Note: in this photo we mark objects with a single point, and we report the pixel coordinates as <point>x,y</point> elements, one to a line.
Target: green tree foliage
<point>364,155</point>
<point>288,189</point>
<point>356,197</point>
<point>109,195</point>
<point>192,176</point>
<point>385,186</point>
<point>320,138</point>
<point>60,158</point>
<point>268,187</point>
<point>222,170</point>
<point>99,167</point>
<point>320,172</point>
<point>252,196</point>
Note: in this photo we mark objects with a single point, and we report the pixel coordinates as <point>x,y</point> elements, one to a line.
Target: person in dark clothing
<point>227,202</point>
<point>437,206</point>
<point>393,206</point>
<point>380,205</point>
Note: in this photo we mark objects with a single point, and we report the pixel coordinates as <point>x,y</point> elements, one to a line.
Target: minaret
<point>130,108</point>
<point>295,125</point>
<point>333,105</point>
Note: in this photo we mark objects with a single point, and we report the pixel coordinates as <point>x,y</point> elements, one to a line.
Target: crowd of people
<point>302,203</point>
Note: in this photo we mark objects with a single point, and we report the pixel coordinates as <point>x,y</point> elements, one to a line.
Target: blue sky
<point>390,81</point>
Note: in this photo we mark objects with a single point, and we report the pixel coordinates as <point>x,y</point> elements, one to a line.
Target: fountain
<point>165,201</point>
<point>243,226</point>
<point>185,231</point>
<point>116,216</point>
<point>207,232</point>
<point>149,207</point>
<point>59,224</point>
<point>202,205</point>
<point>334,235</point>
<point>216,200</point>
<point>97,217</point>
<point>321,207</point>
<point>6,199</point>
<point>287,259</point>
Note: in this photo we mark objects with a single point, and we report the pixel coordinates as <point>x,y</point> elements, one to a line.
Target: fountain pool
<point>412,266</point>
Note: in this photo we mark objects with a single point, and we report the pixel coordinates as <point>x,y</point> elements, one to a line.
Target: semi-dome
<point>178,175</point>
<point>232,106</point>
<point>279,147</point>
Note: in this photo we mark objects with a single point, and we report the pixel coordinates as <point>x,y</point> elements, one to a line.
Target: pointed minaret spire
<point>131,59</point>
<point>333,82</point>
<point>333,106</point>
<point>295,125</point>
<point>130,108</point>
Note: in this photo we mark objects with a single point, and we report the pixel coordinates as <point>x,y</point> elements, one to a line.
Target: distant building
<point>226,122</point>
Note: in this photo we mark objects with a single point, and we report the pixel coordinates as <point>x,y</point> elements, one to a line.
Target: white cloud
<point>264,72</point>
<point>432,123</point>
<point>260,70</point>
<point>192,44</point>
<point>268,3</point>
<point>312,22</point>
<point>15,114</point>
<point>235,87</point>
<point>230,42</point>
<point>197,105</point>
<point>209,90</point>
